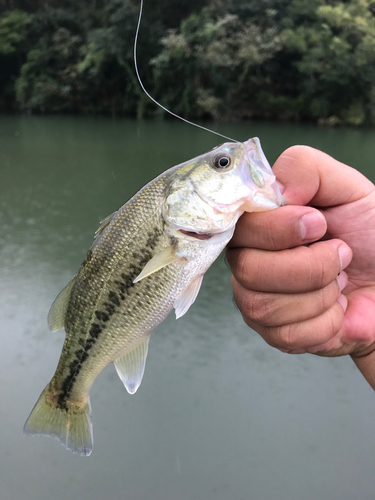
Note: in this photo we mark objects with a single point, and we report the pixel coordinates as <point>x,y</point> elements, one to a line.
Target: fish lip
<point>266,196</point>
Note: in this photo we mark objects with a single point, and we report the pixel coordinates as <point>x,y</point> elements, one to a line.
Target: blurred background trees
<point>217,59</point>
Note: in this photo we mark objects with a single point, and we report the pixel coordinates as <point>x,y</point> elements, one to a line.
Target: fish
<point>147,258</point>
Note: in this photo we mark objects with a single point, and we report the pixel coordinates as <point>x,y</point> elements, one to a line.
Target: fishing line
<point>154,100</point>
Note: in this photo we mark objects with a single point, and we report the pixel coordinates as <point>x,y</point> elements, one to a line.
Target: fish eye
<point>222,161</point>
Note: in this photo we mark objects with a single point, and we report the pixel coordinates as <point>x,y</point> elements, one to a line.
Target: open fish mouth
<point>197,236</point>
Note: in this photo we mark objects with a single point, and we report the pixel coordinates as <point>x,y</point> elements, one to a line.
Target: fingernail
<point>345,255</point>
<point>313,226</point>
<point>342,280</point>
<point>343,301</point>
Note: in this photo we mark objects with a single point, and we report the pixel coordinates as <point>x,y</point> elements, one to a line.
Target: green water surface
<point>220,415</point>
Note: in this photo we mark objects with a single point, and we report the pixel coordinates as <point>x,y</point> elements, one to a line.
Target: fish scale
<point>147,258</point>
<point>110,264</point>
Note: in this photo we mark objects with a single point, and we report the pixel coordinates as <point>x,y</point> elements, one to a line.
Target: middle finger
<point>296,270</point>
<point>276,309</point>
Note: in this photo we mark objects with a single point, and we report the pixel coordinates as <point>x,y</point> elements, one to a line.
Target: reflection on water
<point>219,414</point>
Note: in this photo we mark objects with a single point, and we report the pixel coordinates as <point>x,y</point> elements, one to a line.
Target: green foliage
<point>13,30</point>
<point>335,60</point>
<point>209,58</point>
<point>49,79</point>
<point>220,59</point>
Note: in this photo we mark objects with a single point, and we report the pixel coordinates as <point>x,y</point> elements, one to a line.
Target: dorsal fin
<point>56,315</point>
<point>104,223</point>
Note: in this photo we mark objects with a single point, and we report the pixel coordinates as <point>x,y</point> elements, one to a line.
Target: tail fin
<point>71,426</point>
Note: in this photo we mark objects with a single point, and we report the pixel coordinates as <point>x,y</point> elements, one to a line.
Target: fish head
<point>209,193</point>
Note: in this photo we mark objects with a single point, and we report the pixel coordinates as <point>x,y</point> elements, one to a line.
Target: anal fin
<point>131,366</point>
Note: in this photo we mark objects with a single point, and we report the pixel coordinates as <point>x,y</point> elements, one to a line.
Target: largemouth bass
<point>146,259</point>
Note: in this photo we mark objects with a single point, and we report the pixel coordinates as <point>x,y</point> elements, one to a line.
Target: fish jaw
<point>264,192</point>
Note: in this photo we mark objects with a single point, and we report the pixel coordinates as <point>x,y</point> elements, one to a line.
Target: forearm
<point>366,365</point>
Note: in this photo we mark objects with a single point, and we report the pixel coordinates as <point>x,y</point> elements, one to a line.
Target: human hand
<point>289,293</point>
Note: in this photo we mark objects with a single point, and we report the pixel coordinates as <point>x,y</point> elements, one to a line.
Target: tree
<point>14,27</point>
<point>221,59</point>
<point>204,64</point>
<point>334,55</point>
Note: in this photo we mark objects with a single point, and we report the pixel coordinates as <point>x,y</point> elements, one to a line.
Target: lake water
<point>220,415</point>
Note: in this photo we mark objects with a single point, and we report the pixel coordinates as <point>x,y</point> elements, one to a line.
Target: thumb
<point>309,176</point>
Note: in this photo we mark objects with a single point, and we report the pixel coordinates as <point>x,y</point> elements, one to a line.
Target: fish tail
<point>69,423</point>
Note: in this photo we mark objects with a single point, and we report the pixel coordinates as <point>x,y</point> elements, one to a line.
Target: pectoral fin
<point>162,259</point>
<point>187,297</point>
<point>56,315</point>
<point>131,367</point>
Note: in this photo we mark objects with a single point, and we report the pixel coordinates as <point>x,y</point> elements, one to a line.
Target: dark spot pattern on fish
<point>95,330</point>
<point>112,296</point>
<point>103,315</point>
<point>89,344</point>
<point>75,366</point>
<point>110,308</point>
<point>153,238</point>
<point>127,282</point>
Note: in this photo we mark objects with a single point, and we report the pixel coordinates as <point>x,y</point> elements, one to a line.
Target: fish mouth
<point>197,236</point>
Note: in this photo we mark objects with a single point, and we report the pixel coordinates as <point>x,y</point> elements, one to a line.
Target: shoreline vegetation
<point>222,60</point>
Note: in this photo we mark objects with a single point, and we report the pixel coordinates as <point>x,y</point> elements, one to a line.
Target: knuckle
<point>242,267</point>
<point>246,268</point>
<point>274,240</point>
<point>327,296</point>
<point>288,337</point>
<point>316,273</point>
<point>258,307</point>
<point>282,337</point>
<point>296,336</point>
<point>331,322</point>
<point>320,270</point>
